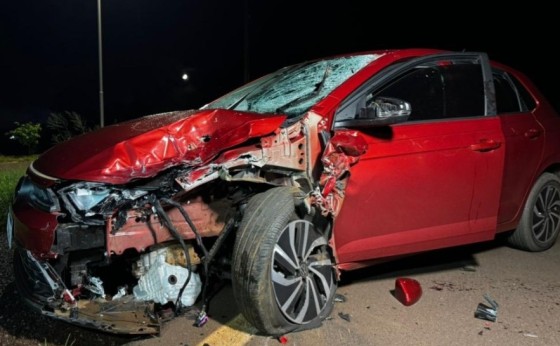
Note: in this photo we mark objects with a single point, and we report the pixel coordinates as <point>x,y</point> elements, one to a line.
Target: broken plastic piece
<point>95,286</point>
<point>407,291</point>
<point>485,312</point>
<point>491,301</point>
<point>121,293</point>
<point>283,340</point>
<point>201,319</point>
<point>339,298</point>
<point>344,316</point>
<point>68,297</point>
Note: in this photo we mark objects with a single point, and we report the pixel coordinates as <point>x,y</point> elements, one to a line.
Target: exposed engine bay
<point>124,258</point>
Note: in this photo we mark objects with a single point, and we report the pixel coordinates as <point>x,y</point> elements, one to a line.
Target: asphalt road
<point>525,285</point>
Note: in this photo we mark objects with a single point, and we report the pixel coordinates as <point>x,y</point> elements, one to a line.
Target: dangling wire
<point>205,260</point>
<point>167,222</point>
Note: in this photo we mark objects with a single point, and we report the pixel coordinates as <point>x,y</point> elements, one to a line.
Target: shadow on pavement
<point>432,261</point>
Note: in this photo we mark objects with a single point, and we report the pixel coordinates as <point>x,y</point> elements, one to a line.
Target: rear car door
<point>433,181</point>
<point>524,138</point>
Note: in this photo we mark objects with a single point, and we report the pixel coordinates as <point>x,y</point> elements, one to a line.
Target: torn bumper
<point>42,288</point>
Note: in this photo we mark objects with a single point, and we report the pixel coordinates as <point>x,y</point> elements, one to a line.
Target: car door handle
<point>485,145</point>
<point>532,133</point>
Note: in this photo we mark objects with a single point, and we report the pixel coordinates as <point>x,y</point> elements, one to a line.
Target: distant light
<point>185,77</point>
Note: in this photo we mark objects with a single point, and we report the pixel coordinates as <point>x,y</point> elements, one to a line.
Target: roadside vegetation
<point>59,127</point>
<point>11,169</point>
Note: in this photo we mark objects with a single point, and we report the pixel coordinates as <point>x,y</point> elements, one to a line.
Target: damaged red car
<point>282,185</point>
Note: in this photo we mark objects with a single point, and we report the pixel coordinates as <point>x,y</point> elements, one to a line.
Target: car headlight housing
<point>39,197</point>
<point>86,198</point>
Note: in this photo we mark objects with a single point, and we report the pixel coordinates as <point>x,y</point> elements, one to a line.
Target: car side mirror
<point>381,111</point>
<point>386,110</point>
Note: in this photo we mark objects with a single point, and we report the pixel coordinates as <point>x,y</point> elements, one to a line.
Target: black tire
<point>276,291</point>
<point>540,221</point>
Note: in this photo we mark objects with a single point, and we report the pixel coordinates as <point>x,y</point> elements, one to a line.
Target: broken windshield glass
<point>293,90</point>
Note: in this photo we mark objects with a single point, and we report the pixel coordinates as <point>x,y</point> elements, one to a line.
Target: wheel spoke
<point>323,273</point>
<point>538,224</point>
<point>284,260</point>
<point>302,238</point>
<point>315,296</point>
<point>303,309</point>
<point>292,241</point>
<point>290,303</point>
<point>282,280</point>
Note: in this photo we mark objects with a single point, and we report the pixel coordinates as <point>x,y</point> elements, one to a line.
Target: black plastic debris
<point>485,312</point>
<point>344,316</point>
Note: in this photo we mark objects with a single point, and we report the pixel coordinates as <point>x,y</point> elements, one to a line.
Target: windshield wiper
<point>318,87</point>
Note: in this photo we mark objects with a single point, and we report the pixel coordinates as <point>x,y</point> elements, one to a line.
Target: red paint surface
<point>407,291</point>
<point>419,187</point>
<point>141,148</point>
<point>34,229</point>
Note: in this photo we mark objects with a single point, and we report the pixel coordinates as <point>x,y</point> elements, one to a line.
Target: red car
<point>284,184</point>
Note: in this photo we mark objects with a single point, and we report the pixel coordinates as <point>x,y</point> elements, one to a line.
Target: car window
<point>528,102</point>
<point>422,87</point>
<point>506,96</point>
<point>439,91</point>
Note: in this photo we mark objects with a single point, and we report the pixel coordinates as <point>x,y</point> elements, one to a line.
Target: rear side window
<point>511,95</point>
<point>506,96</point>
<point>528,102</point>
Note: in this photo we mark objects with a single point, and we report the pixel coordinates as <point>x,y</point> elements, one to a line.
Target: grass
<point>16,159</point>
<point>11,169</point>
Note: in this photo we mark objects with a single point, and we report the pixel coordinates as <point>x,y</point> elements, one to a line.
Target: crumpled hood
<point>143,147</point>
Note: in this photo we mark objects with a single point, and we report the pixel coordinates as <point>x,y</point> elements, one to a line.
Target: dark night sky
<point>48,59</point>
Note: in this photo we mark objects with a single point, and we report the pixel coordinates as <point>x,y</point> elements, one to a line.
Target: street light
<point>100,58</point>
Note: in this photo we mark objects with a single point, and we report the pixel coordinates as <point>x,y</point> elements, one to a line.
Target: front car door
<point>433,181</point>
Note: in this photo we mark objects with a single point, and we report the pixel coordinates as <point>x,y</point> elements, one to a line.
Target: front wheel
<point>283,271</point>
<point>540,221</point>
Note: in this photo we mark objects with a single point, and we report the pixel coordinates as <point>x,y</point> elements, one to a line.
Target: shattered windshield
<point>294,89</point>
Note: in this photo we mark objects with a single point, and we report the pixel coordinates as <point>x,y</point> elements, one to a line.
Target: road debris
<point>344,316</point>
<point>339,298</point>
<point>485,312</point>
<point>469,268</point>
<point>283,340</point>
<point>407,291</point>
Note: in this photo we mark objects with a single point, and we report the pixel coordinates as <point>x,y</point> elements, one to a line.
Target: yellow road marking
<point>236,332</point>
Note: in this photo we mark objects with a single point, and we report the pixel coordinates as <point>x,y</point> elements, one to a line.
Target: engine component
<point>163,281</point>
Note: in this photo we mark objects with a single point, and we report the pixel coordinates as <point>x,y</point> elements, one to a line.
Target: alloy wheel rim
<point>546,214</point>
<point>302,272</point>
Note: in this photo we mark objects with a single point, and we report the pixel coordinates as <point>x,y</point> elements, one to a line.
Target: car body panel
<point>431,181</point>
<point>35,229</point>
<point>141,148</point>
<point>524,143</point>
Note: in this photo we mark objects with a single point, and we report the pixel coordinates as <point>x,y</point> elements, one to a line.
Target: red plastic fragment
<point>283,340</point>
<point>407,291</point>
